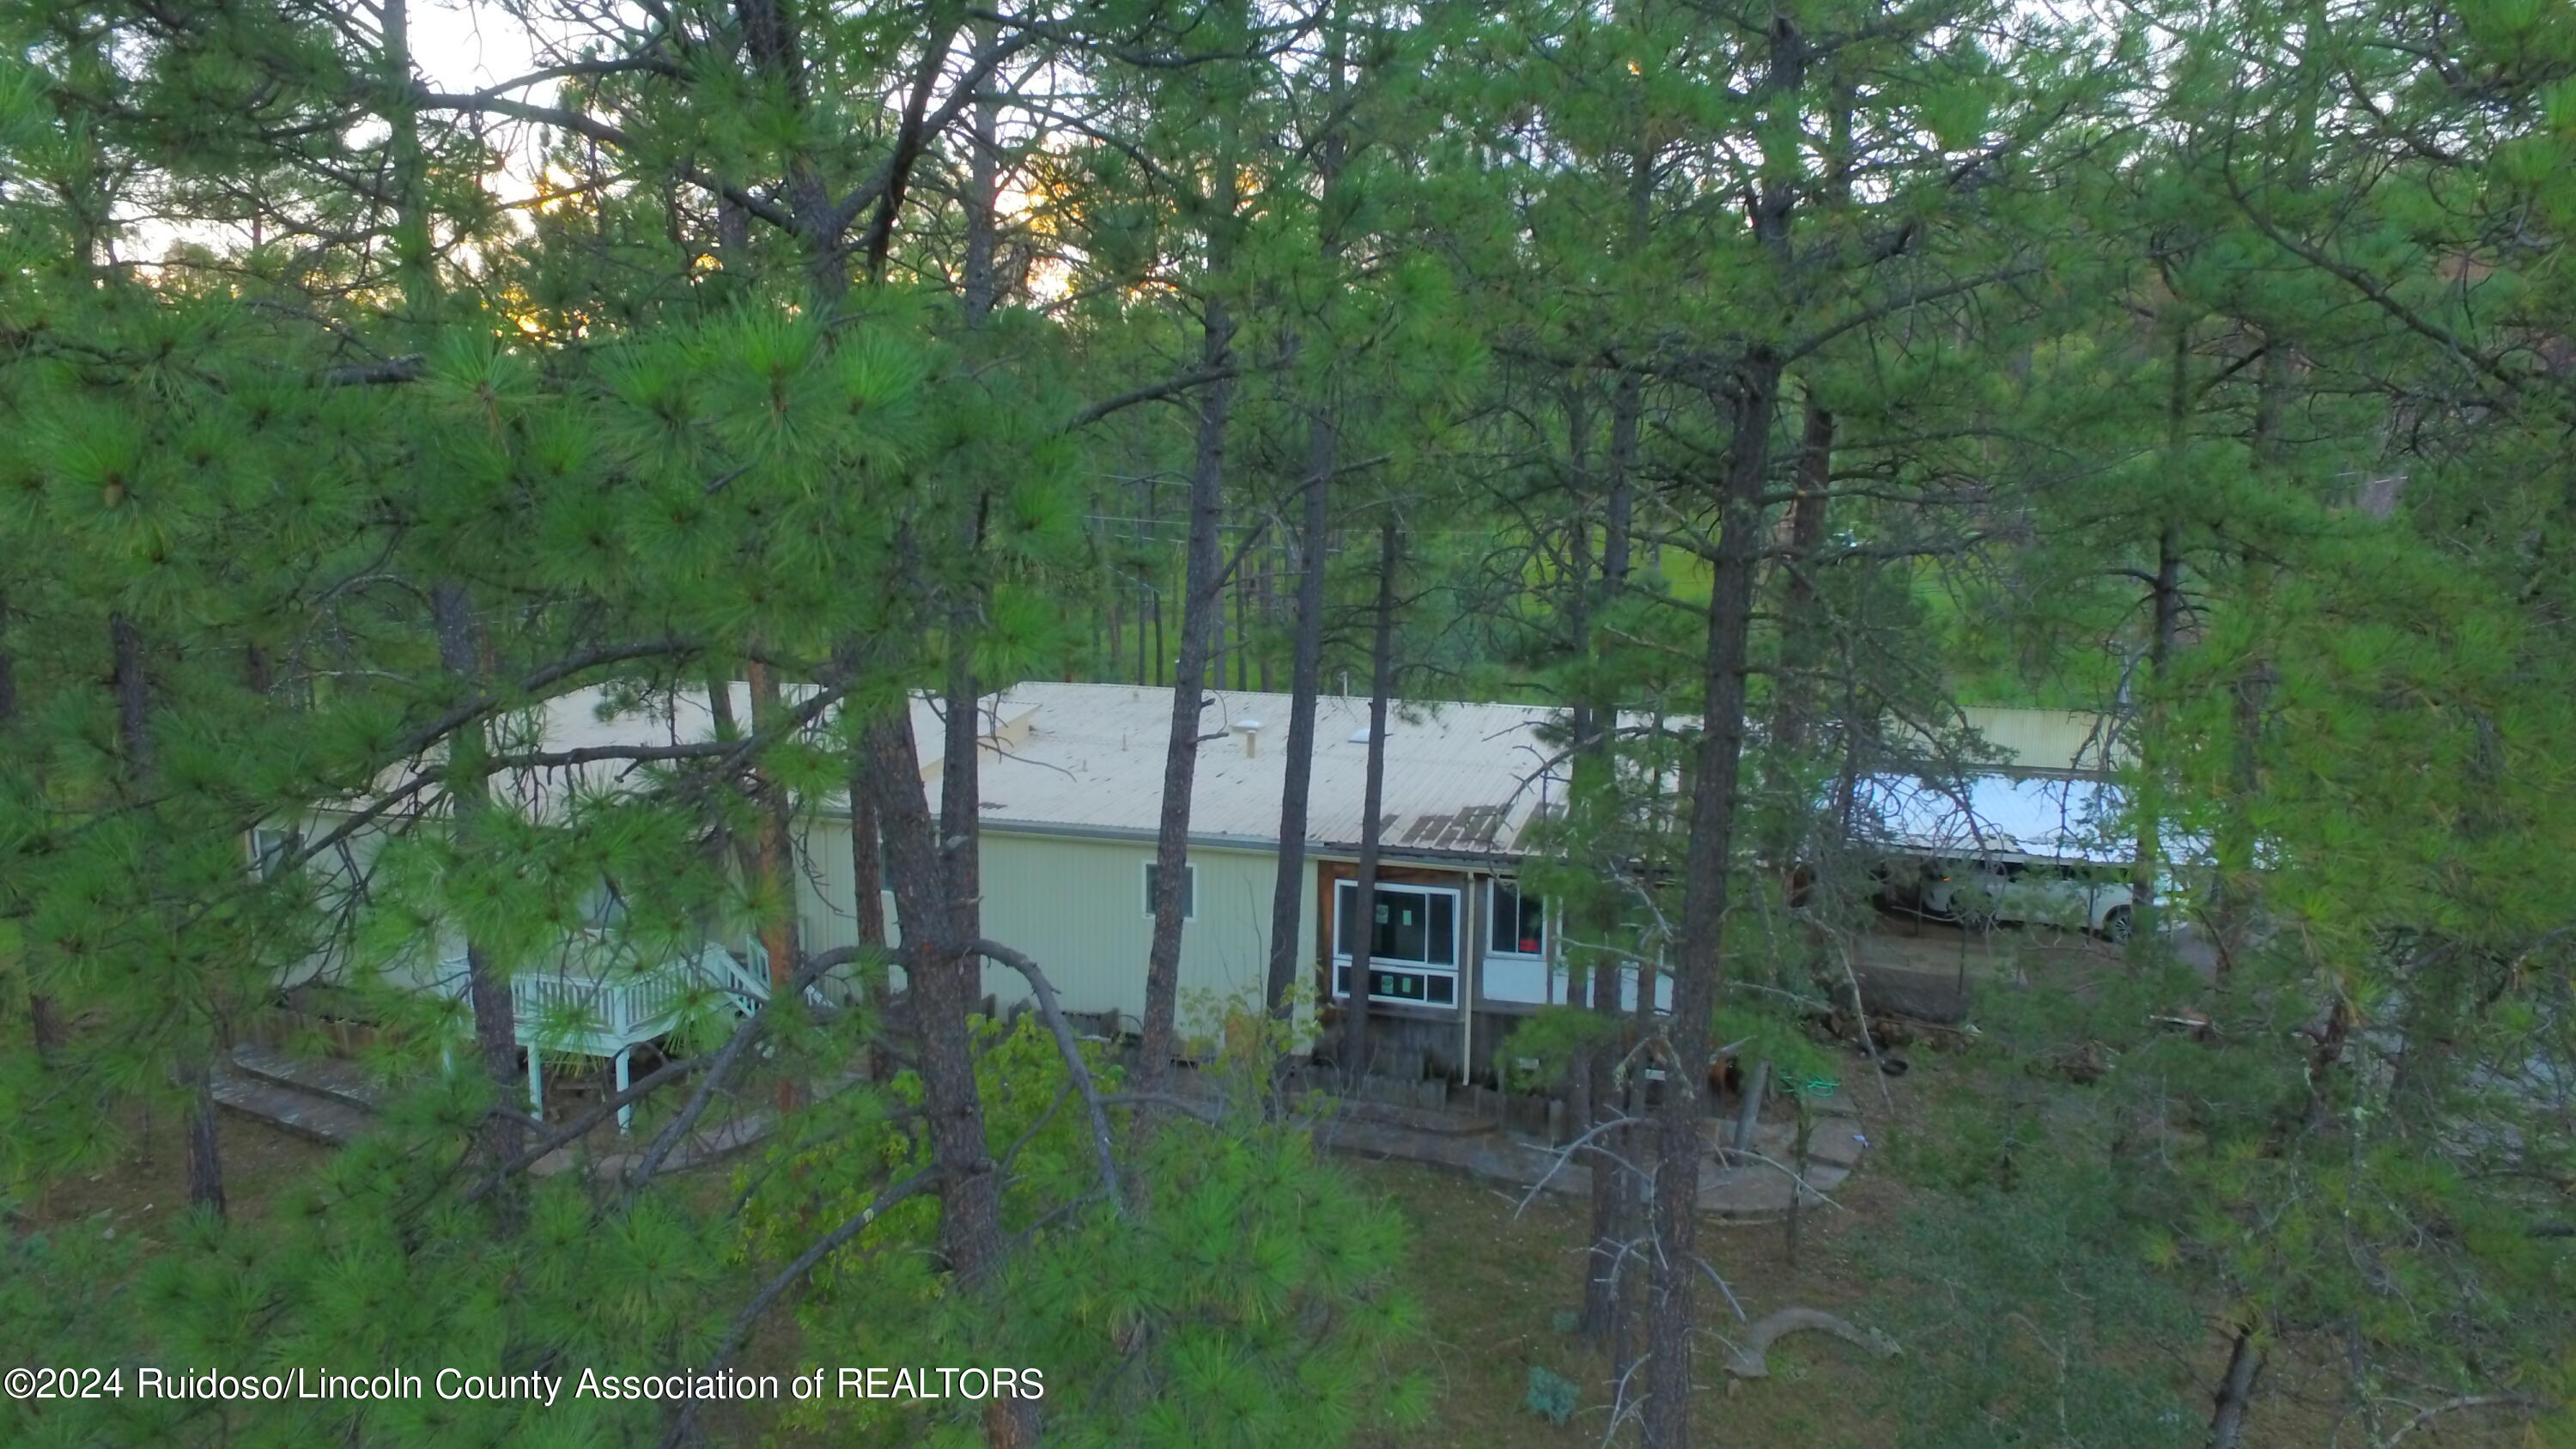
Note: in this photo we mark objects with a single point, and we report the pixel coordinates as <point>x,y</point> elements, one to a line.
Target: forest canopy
<point>1753,388</point>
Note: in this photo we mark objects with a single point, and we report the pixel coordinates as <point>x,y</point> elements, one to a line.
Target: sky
<point>458,45</point>
<point>468,46</point>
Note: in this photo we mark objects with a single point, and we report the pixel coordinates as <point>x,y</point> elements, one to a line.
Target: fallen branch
<point>1747,1360</point>
<point>2453,1406</point>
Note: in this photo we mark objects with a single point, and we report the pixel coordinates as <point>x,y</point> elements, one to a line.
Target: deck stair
<point>321,1101</point>
<point>341,1081</point>
<point>333,1102</point>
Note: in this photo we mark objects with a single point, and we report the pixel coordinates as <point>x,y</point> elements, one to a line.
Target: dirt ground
<point>149,1183</point>
<point>1499,1280</point>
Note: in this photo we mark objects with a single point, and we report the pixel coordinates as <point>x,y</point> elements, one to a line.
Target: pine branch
<point>722,1064</point>
<point>1151,392</point>
<point>897,170</point>
<point>789,1277</point>
<point>1102,1147</point>
<point>606,133</point>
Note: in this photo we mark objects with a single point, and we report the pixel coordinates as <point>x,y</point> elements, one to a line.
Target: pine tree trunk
<point>1613,1195</point>
<point>1801,612</point>
<point>487,990</point>
<point>1699,964</point>
<point>773,855</point>
<point>1202,602</point>
<point>867,864</point>
<point>1748,1111</point>
<point>1306,654</point>
<point>1796,688</point>
<point>983,289</point>
<point>2165,604</point>
<point>940,978</point>
<point>1801,622</point>
<point>1354,1051</point>
<point>130,682</point>
<point>1243,624</point>
<point>205,1150</point>
<point>960,773</point>
<point>1269,608</point>
<point>451,620</point>
<point>867,897</point>
<point>44,1019</point>
<point>1288,889</point>
<point>1589,1072</point>
<point>2236,1391</point>
<point>961,783</point>
<point>2233,914</point>
<point>1801,1159</point>
<point>1607,1279</point>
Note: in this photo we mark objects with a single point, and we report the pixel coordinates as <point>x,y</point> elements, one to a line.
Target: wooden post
<point>536,1086</point>
<point>625,1114</point>
<point>1749,1111</point>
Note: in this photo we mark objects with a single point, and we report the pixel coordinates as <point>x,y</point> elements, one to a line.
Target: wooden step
<point>342,1082</point>
<point>308,1115</point>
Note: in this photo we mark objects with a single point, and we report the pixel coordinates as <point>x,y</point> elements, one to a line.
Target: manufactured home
<point>1071,780</point>
<point>1071,786</point>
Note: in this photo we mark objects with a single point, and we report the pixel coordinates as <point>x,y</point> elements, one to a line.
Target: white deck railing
<point>596,1002</point>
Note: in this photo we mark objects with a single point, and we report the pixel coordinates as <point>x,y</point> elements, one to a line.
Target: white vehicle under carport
<point>1982,850</point>
<point>2026,890</point>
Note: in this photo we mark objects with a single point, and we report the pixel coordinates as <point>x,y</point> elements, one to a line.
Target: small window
<point>1518,923</point>
<point>1427,988</point>
<point>271,850</point>
<point>602,908</point>
<point>1189,889</point>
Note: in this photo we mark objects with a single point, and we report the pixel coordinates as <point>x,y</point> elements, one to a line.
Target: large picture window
<point>1517,924</point>
<point>1412,941</point>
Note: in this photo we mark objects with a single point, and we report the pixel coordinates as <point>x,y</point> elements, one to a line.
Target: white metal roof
<point>583,719</point>
<point>1461,779</point>
<point>1089,758</point>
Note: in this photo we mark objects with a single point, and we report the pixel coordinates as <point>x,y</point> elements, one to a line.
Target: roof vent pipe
<point>1250,730</point>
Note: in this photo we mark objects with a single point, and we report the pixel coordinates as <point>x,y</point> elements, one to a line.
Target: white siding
<point>1077,907</point>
